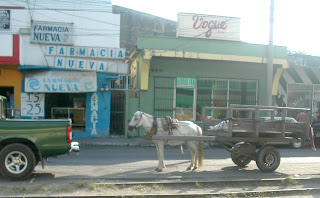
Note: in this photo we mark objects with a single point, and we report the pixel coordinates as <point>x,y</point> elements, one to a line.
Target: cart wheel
<point>240,160</point>
<point>268,159</point>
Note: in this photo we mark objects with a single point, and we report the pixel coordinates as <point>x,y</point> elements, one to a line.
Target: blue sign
<point>65,82</point>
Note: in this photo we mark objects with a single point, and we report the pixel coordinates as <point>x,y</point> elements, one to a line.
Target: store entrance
<point>65,106</point>
<point>8,93</point>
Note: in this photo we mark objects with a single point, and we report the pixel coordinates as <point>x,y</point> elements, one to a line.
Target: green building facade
<point>180,76</point>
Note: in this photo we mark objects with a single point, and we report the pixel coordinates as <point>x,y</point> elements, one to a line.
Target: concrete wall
<point>222,47</point>
<point>93,25</point>
<point>12,78</point>
<point>135,23</point>
<point>6,47</point>
<point>171,67</point>
<point>200,58</point>
<point>35,5</point>
<point>86,32</point>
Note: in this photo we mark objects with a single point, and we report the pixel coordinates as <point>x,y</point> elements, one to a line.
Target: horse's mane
<point>148,115</point>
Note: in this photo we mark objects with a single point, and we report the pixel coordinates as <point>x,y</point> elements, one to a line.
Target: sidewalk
<point>113,141</point>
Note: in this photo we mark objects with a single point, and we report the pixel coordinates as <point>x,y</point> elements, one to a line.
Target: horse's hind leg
<point>157,147</point>
<point>161,153</point>
<point>193,151</point>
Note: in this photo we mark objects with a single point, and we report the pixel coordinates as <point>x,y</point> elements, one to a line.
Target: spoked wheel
<point>268,159</point>
<point>240,160</point>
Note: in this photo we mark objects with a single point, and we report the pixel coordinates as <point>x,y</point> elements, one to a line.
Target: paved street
<point>116,163</point>
<point>97,169</point>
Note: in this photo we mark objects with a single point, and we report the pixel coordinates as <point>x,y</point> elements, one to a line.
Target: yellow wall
<point>11,77</point>
<point>148,53</point>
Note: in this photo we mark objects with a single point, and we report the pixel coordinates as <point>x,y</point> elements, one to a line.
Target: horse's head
<point>136,120</point>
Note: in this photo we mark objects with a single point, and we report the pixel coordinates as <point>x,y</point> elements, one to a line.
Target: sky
<point>296,22</point>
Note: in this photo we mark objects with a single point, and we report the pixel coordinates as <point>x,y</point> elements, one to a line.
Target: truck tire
<point>17,161</point>
<point>268,159</point>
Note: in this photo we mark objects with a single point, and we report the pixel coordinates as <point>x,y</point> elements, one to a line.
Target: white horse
<point>186,128</point>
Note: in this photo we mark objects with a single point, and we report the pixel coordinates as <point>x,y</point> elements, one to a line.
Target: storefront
<point>66,81</point>
<point>181,77</point>
<point>84,97</point>
<point>10,76</point>
<point>75,85</point>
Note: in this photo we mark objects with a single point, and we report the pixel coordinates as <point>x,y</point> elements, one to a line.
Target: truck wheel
<point>268,159</point>
<point>17,161</point>
<point>240,160</point>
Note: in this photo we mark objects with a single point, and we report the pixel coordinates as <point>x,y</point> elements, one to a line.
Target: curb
<point>115,143</point>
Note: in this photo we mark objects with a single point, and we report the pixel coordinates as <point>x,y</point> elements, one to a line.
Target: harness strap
<point>169,120</point>
<point>149,134</point>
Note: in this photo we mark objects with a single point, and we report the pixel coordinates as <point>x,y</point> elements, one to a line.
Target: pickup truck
<point>25,142</point>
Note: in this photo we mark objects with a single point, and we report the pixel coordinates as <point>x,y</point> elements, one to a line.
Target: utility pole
<point>270,58</point>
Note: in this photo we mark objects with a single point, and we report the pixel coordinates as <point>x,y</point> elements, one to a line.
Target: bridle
<point>139,120</point>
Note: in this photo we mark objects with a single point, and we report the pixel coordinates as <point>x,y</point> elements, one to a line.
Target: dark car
<point>295,145</point>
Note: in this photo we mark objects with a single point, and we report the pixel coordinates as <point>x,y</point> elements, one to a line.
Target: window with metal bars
<point>212,92</point>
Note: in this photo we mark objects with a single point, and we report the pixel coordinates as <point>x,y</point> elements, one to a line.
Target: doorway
<point>8,93</point>
<point>185,99</point>
<point>67,106</point>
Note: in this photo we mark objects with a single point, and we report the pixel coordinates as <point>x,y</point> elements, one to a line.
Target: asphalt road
<point>118,164</point>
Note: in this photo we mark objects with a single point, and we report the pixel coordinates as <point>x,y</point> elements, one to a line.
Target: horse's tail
<point>200,148</point>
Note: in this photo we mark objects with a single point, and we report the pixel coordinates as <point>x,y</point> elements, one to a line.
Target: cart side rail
<point>256,127</point>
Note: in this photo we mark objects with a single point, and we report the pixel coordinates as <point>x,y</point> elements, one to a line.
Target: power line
<point>43,53</point>
<point>87,18</point>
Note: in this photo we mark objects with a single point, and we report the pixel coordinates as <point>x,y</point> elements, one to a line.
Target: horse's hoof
<point>195,168</point>
<point>189,168</point>
<point>158,170</point>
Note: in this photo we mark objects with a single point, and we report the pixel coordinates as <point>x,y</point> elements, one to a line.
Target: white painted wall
<point>93,24</point>
<point>6,38</point>
<point>6,45</point>
<point>93,5</point>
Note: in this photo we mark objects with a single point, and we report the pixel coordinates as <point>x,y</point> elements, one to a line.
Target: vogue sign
<point>209,27</point>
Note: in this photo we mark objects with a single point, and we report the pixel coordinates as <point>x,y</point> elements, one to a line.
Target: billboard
<point>208,26</point>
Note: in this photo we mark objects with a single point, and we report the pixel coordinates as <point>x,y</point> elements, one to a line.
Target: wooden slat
<point>184,138</point>
<point>223,139</point>
<point>264,127</point>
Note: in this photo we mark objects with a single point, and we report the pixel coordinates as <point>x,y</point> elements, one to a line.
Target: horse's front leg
<point>160,156</point>
<point>160,152</point>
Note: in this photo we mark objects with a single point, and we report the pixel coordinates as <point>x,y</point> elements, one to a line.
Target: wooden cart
<point>249,138</point>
